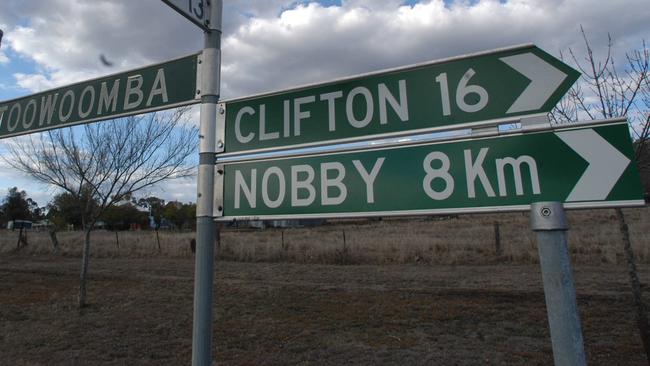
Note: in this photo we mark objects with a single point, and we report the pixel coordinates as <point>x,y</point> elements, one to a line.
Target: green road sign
<point>166,85</point>
<point>474,89</point>
<point>587,166</point>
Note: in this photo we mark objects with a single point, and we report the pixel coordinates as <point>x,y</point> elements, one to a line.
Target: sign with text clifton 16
<point>480,89</point>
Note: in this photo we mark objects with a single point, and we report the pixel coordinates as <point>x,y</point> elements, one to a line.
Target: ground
<point>140,313</point>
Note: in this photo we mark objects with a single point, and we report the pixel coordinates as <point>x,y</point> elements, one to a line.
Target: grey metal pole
<point>205,226</point>
<point>549,222</point>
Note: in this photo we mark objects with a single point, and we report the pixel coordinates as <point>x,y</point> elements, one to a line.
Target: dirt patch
<point>140,313</point>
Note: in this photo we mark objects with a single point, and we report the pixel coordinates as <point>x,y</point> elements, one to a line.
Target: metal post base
<point>549,222</point>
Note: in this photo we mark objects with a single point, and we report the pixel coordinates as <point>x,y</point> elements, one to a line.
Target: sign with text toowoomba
<point>587,166</point>
<point>152,88</point>
<point>468,90</point>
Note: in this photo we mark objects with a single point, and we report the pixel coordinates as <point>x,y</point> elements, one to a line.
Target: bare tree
<point>106,162</point>
<point>614,90</point>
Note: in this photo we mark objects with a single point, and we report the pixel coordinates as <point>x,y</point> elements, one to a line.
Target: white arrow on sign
<point>606,164</point>
<point>544,80</point>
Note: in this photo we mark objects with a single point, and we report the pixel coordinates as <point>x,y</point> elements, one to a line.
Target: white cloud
<point>310,43</point>
<point>275,44</point>
<point>182,190</point>
<point>33,82</point>
<point>10,178</point>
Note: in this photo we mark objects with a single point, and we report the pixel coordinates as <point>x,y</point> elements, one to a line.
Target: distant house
<point>132,204</point>
<point>133,223</point>
<point>99,224</point>
<point>43,224</point>
<point>19,224</point>
<point>166,224</point>
<point>258,224</point>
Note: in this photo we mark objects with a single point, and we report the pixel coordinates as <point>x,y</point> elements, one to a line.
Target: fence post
<point>497,240</point>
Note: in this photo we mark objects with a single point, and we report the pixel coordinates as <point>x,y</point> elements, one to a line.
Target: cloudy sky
<point>275,44</point>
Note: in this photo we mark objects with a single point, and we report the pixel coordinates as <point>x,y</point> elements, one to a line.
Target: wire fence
<point>594,238</point>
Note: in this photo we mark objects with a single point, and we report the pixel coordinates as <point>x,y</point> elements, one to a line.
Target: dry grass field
<point>594,237</point>
<point>421,291</point>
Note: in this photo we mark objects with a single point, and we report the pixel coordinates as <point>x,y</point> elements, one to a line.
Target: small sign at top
<point>198,11</point>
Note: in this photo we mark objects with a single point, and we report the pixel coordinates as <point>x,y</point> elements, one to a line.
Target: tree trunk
<point>55,241</point>
<point>84,268</point>
<point>117,240</point>
<point>641,313</point>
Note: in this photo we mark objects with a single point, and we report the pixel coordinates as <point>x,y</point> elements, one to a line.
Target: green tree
<point>63,210</point>
<point>156,206</point>
<point>173,213</point>
<point>16,206</point>
<point>182,215</point>
<point>36,213</point>
<point>123,216</point>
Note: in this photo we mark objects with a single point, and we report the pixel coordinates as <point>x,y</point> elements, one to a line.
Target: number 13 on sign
<point>198,11</point>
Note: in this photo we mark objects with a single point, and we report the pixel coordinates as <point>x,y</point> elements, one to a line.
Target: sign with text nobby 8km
<point>475,89</point>
<point>152,88</point>
<point>583,167</point>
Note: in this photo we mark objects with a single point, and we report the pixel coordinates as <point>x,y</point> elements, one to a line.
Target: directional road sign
<point>476,89</point>
<point>197,11</point>
<point>161,86</point>
<point>583,167</point>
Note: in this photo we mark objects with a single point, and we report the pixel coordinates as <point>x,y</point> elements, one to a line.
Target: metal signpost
<point>209,19</point>
<point>586,166</point>
<point>548,221</point>
<point>478,89</point>
<point>152,88</point>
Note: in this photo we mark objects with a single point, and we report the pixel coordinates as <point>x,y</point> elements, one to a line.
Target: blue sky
<point>15,65</point>
<point>275,44</point>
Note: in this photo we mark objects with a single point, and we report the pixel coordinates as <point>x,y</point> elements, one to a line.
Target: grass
<point>594,238</point>
<point>140,313</point>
